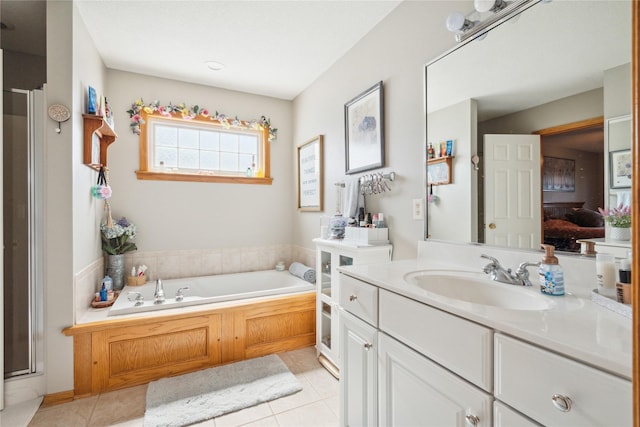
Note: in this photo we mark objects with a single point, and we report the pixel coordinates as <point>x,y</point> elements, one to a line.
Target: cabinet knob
<point>562,403</point>
<point>367,346</point>
<point>353,297</point>
<point>472,420</point>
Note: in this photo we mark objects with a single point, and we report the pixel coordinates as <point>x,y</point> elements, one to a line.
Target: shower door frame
<point>35,136</point>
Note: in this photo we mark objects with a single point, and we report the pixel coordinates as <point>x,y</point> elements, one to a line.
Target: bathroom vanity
<point>413,353</point>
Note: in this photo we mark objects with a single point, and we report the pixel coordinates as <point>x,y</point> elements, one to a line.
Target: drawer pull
<point>562,403</point>
<point>472,420</point>
<point>367,346</point>
<point>353,297</point>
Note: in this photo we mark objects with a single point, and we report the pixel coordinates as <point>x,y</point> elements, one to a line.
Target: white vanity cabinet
<point>359,352</point>
<point>358,371</point>
<point>554,390</point>
<point>331,254</point>
<point>414,391</point>
<point>435,368</point>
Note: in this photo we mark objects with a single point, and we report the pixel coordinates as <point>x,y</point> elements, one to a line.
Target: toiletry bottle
<point>107,282</point>
<point>551,275</point>
<point>431,153</point>
<point>103,293</point>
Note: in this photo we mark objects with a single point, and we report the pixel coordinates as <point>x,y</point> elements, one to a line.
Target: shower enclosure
<point>22,224</point>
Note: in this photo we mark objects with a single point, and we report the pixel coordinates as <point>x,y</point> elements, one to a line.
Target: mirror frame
<point>635,203</point>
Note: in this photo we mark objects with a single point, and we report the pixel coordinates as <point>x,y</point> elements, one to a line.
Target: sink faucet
<point>158,295</point>
<point>498,273</point>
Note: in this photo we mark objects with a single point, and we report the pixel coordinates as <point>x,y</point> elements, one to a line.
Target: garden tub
<point>209,289</point>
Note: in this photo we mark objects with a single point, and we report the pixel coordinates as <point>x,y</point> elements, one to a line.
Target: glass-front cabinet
<point>331,254</point>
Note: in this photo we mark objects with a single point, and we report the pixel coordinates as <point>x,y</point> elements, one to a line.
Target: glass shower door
<point>19,224</point>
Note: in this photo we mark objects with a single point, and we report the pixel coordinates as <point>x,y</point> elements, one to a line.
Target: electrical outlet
<point>418,209</point>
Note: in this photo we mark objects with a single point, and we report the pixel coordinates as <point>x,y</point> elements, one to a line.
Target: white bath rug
<point>202,395</point>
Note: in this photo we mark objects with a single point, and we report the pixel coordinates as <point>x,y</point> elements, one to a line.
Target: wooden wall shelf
<point>98,135</point>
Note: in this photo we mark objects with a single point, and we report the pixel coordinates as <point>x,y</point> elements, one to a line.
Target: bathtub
<point>210,289</point>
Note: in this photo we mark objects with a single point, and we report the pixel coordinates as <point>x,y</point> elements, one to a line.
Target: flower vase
<point>620,233</point>
<point>115,270</point>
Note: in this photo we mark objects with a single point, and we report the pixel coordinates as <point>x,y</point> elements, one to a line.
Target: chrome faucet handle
<point>139,299</point>
<point>180,295</point>
<point>522,273</point>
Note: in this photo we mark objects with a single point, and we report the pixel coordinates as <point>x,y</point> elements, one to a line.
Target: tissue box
<point>367,236</point>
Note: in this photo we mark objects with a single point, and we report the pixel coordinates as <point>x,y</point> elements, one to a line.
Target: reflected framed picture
<point>620,168</point>
<point>310,175</point>
<point>364,131</point>
<point>558,174</point>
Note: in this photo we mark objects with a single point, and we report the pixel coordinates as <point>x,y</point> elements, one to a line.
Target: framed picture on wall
<point>364,131</point>
<point>620,168</point>
<point>310,175</point>
<point>558,174</point>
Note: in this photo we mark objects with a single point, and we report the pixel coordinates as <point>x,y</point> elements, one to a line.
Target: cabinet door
<point>414,391</point>
<point>358,365</point>
<point>504,416</point>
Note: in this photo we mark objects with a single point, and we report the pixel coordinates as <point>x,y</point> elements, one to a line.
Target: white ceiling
<point>272,48</point>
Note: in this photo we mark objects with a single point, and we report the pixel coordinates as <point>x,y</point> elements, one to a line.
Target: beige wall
<point>193,215</point>
<point>394,52</point>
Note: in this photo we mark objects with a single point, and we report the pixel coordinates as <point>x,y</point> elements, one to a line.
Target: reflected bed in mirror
<point>544,86</point>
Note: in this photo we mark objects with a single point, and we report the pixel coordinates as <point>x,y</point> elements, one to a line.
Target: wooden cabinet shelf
<point>98,135</point>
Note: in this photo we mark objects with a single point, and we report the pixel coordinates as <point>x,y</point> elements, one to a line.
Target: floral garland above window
<point>193,112</point>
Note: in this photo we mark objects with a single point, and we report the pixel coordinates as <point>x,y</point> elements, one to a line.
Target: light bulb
<point>456,22</point>
<point>483,5</point>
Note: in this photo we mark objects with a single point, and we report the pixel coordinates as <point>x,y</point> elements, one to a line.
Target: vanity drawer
<point>459,345</point>
<point>359,298</point>
<point>528,377</point>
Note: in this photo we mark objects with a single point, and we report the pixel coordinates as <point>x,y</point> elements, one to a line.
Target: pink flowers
<point>618,217</point>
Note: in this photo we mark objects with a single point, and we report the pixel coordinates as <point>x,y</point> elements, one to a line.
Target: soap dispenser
<point>551,275</point>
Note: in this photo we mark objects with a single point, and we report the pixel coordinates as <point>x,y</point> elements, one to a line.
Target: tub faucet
<point>158,295</point>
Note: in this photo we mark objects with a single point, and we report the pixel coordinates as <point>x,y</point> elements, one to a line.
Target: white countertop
<point>574,326</point>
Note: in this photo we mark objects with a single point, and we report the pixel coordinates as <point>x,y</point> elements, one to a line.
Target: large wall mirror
<point>535,101</point>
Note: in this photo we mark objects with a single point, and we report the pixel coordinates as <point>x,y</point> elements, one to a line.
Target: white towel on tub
<point>302,271</point>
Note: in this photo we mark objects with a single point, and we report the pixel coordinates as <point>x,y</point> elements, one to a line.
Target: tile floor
<point>316,405</point>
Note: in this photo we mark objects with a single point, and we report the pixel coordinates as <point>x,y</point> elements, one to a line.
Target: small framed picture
<point>620,168</point>
<point>92,101</point>
<point>364,131</point>
<point>310,175</point>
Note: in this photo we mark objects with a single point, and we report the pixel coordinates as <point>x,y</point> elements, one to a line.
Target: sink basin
<point>477,288</point>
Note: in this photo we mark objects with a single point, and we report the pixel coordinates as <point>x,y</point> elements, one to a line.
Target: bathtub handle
<point>179,294</point>
<point>139,299</point>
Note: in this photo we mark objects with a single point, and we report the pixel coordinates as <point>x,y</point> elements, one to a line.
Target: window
<point>202,149</point>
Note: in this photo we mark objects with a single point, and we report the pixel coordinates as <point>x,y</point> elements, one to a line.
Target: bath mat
<point>202,395</point>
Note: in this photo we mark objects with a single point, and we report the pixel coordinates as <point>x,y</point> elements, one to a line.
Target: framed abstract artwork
<point>364,131</point>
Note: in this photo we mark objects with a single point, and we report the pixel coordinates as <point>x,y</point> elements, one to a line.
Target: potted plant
<point>619,220</point>
<point>115,243</point>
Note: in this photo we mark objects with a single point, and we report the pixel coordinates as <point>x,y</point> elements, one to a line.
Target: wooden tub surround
<point>115,354</point>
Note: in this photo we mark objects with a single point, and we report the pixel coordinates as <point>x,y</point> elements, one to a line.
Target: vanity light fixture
<point>215,65</point>
<point>475,24</point>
